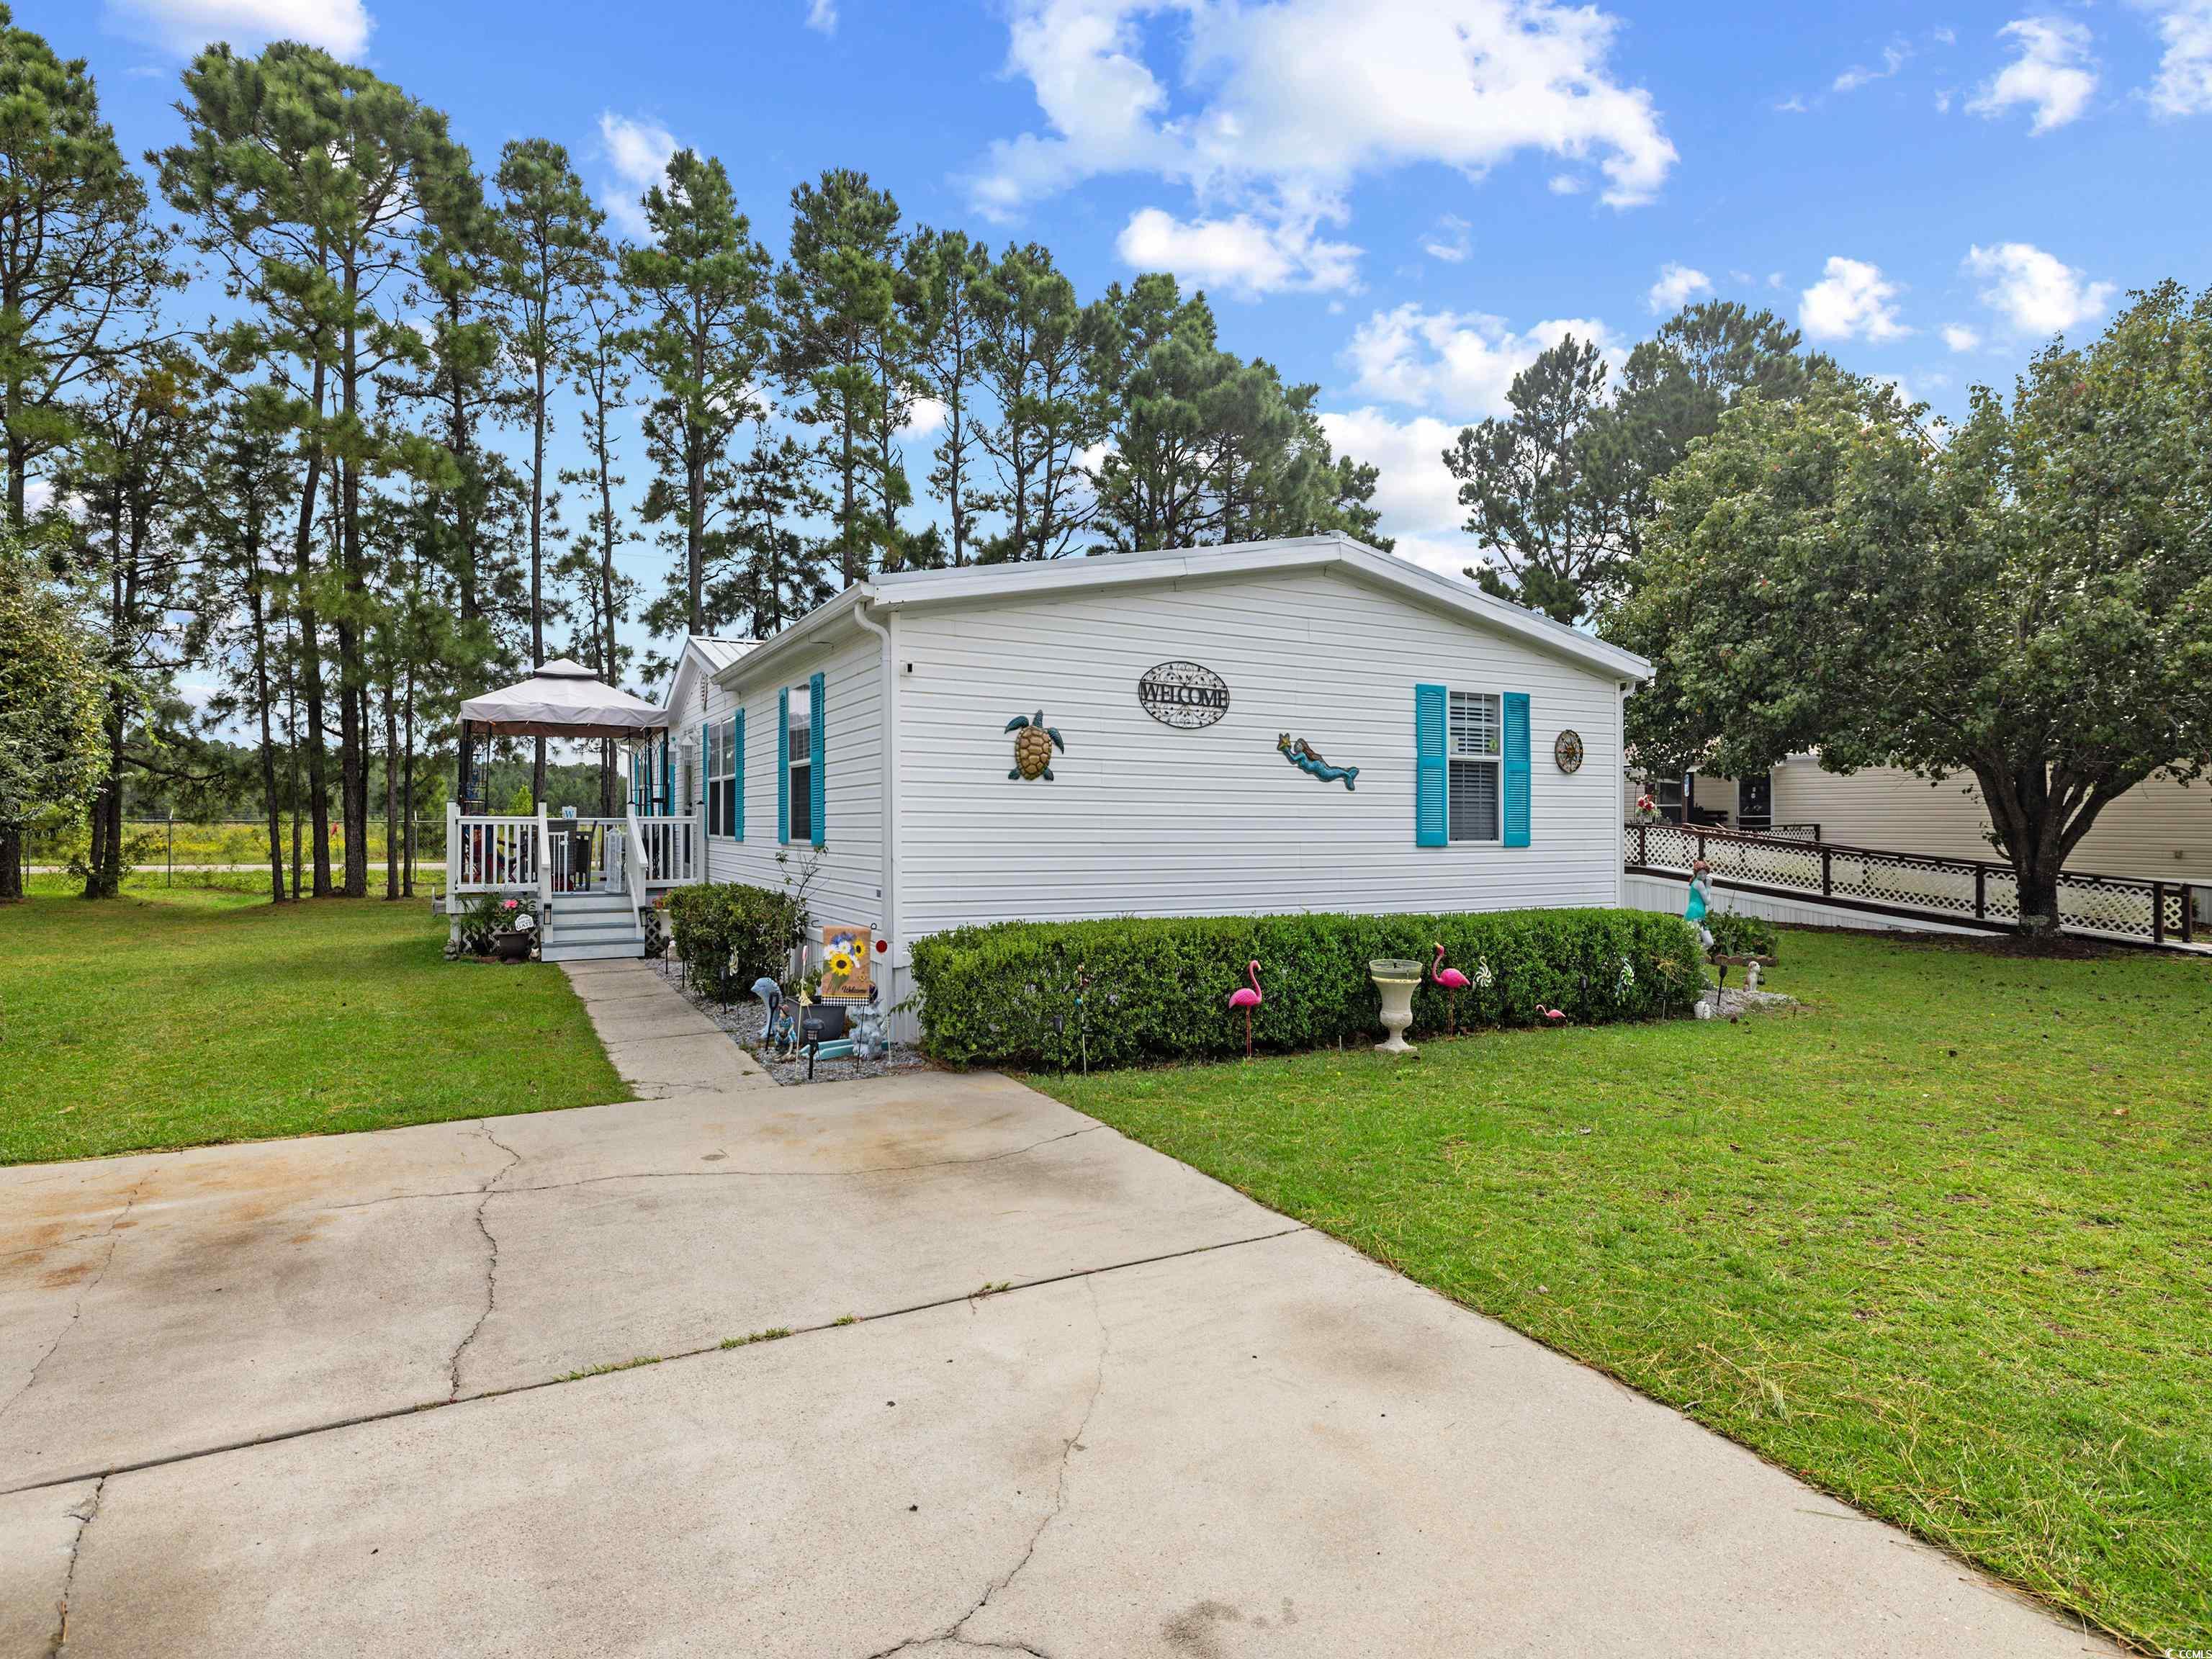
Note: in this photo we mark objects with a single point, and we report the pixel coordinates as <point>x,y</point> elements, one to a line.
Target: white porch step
<point>597,950</point>
<point>585,904</point>
<point>592,936</point>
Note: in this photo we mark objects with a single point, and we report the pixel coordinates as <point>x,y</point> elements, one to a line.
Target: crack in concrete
<point>722,1174</point>
<point>84,1520</point>
<point>114,1236</point>
<point>486,1193</point>
<point>957,1633</point>
<point>388,1413</point>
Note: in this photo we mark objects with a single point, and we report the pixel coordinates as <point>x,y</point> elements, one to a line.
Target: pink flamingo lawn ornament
<point>1554,1015</point>
<point>1454,982</point>
<point>1248,999</point>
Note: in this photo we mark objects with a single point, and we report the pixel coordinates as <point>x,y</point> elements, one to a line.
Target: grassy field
<point>1941,1240</point>
<point>175,1017</point>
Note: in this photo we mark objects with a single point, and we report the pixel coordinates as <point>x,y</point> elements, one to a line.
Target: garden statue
<point>870,1039</point>
<point>1454,982</point>
<point>1701,900</point>
<point>1247,998</point>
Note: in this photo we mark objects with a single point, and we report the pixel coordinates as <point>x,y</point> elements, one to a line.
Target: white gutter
<point>889,727</point>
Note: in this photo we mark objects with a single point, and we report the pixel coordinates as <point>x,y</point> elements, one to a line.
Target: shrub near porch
<point>1159,987</point>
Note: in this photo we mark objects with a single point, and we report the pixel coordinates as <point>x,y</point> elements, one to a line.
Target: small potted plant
<point>516,929</point>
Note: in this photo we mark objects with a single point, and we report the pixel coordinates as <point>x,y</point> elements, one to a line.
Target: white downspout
<point>893,956</point>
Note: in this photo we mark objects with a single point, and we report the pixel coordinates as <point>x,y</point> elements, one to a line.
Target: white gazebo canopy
<point>563,699</point>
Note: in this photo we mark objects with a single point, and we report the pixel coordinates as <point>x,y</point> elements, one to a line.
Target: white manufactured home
<point>1277,726</point>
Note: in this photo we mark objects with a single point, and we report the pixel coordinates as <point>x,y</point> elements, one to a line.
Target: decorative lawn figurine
<point>1034,745</point>
<point>1454,982</point>
<point>1247,998</point>
<point>1700,902</point>
<point>1301,754</point>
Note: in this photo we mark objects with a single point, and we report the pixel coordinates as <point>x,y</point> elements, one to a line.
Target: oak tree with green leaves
<point>53,701</point>
<point>2027,600</point>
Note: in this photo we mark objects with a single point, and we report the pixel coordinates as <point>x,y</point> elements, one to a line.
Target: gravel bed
<point>744,1019</point>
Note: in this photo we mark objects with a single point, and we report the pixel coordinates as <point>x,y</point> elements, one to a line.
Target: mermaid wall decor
<point>1301,755</point>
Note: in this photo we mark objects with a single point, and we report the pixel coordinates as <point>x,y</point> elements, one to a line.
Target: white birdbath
<point>1396,980</point>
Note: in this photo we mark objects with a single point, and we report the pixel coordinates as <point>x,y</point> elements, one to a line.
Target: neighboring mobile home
<point>1276,726</point>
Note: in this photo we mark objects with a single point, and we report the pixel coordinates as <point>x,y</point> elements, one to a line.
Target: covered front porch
<point>591,877</point>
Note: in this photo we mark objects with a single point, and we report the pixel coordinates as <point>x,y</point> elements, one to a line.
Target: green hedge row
<point>728,934</point>
<point>1159,987</point>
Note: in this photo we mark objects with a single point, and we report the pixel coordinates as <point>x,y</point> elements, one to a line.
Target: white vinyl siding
<point>1145,819</point>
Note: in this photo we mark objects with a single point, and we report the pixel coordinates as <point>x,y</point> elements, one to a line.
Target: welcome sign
<point>1183,695</point>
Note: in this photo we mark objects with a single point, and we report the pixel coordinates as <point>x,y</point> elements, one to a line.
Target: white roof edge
<point>815,623</point>
<point>1302,552</point>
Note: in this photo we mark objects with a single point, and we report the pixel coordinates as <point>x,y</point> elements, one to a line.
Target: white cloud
<point>923,419</point>
<point>1793,104</point>
<point>1415,494</point>
<point>1858,74</point>
<point>1944,35</point>
<point>1461,361</point>
<point>182,27</point>
<point>2054,73</point>
<point>2183,86</point>
<point>1282,105</point>
<point>1675,285</point>
<point>638,150</point>
<point>1959,337</point>
<point>1245,255</point>
<point>1451,242</point>
<point>1851,300</point>
<point>2036,292</point>
<point>821,16</point>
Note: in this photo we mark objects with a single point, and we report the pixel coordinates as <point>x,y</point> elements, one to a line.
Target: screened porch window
<point>798,785</point>
<point>1475,753</point>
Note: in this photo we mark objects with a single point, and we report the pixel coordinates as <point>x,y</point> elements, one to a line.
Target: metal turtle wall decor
<point>1034,742</point>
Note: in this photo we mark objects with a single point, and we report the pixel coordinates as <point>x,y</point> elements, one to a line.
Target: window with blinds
<point>721,762</point>
<point>1474,755</point>
<point>799,780</point>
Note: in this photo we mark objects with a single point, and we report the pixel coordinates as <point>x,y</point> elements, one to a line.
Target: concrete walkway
<point>661,1044</point>
<point>1045,1391</point>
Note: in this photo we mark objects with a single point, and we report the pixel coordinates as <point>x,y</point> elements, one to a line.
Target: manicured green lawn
<point>177,1017</point>
<point>1941,1240</point>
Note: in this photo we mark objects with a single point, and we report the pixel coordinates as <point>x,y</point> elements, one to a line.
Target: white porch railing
<point>512,853</point>
<point>490,855</point>
<point>670,850</point>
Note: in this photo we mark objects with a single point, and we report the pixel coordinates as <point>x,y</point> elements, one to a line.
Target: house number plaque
<point>1183,695</point>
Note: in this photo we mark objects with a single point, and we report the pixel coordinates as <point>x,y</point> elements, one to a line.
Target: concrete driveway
<point>347,1396</point>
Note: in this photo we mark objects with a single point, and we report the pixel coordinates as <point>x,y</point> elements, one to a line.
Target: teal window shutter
<point>734,815</point>
<point>1429,790</point>
<point>699,804</point>
<point>814,757</point>
<point>668,789</point>
<point>783,766</point>
<point>1516,711</point>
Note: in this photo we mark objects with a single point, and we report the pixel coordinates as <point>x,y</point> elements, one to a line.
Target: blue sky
<point>1401,202</point>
